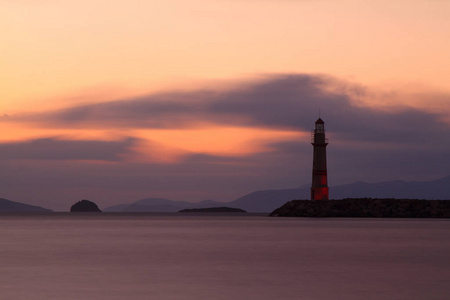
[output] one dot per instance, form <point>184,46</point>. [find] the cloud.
<point>288,102</point>
<point>56,149</point>
<point>275,101</point>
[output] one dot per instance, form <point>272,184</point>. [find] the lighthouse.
<point>319,187</point>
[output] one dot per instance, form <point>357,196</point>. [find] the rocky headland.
<point>365,208</point>
<point>214,209</point>
<point>12,206</point>
<point>84,206</point>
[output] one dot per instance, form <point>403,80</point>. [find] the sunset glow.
<point>219,140</point>
<point>52,49</point>
<point>170,82</point>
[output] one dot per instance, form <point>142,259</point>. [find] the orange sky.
<point>55,52</point>
<point>58,54</point>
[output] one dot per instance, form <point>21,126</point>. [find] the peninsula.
<point>12,206</point>
<point>214,209</point>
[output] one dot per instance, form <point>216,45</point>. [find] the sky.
<point>212,99</point>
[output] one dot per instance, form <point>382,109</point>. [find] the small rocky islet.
<point>84,206</point>
<point>365,208</point>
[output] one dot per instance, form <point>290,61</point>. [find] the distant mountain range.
<point>11,206</point>
<point>269,200</point>
<point>160,205</point>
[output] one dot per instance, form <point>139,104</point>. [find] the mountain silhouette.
<point>11,206</point>
<point>268,200</point>
<point>431,190</point>
<point>160,205</point>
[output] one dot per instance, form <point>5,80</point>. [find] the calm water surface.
<point>173,256</point>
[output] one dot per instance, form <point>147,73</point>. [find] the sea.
<point>176,256</point>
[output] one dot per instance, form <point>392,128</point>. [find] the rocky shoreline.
<point>365,208</point>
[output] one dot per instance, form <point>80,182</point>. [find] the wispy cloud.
<point>288,102</point>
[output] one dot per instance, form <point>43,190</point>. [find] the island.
<point>365,208</point>
<point>84,206</point>
<point>214,209</point>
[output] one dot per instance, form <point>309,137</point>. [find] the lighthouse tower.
<point>319,187</point>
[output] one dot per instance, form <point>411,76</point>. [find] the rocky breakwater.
<point>365,208</point>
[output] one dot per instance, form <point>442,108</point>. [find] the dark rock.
<point>85,206</point>
<point>365,208</point>
<point>214,209</point>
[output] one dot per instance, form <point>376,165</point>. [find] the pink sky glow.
<point>228,89</point>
